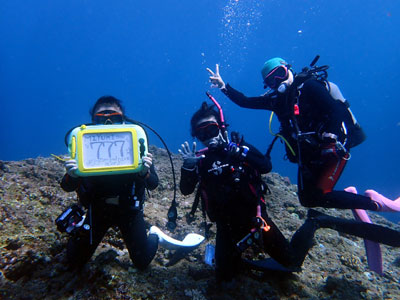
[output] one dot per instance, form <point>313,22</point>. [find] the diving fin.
<point>178,255</point>
<point>268,264</point>
<point>192,240</point>
<point>385,204</point>
<point>372,249</point>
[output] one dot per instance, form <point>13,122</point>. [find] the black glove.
<point>236,137</point>
<point>236,152</point>
<point>190,159</point>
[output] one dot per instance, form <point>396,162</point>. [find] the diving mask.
<point>276,76</point>
<point>108,117</point>
<point>207,130</point>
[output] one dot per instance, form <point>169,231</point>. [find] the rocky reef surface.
<point>32,251</point>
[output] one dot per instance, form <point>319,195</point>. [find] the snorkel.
<point>221,115</point>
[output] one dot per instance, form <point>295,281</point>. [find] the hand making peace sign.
<point>215,78</point>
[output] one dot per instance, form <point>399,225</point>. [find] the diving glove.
<point>147,162</point>
<point>189,156</point>
<point>236,152</point>
<point>71,166</point>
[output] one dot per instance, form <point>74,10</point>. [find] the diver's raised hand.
<point>215,78</point>
<point>71,166</point>
<point>225,137</point>
<point>189,156</point>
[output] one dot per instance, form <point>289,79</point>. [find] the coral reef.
<point>32,251</point>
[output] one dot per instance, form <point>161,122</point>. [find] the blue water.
<point>58,57</point>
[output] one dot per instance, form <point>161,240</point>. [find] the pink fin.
<point>373,250</point>
<point>386,205</point>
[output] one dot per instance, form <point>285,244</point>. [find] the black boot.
<point>303,240</point>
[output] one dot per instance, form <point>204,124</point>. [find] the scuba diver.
<point>110,200</point>
<point>228,176</point>
<point>317,127</point>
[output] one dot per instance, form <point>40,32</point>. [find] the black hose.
<point>172,212</point>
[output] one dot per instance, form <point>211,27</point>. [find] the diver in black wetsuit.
<point>317,128</point>
<point>229,177</point>
<point>110,200</point>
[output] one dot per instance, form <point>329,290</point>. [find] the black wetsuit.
<point>230,197</point>
<point>320,165</point>
<point>110,200</point>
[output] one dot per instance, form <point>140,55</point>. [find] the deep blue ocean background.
<point>58,57</point>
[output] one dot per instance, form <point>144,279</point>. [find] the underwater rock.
<point>4,167</point>
<point>32,251</point>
